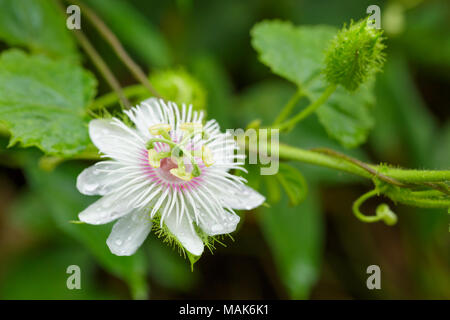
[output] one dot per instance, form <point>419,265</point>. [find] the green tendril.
<point>383,212</point>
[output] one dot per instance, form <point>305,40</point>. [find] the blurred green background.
<point>316,250</point>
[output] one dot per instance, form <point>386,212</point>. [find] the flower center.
<point>168,164</point>
<point>172,163</point>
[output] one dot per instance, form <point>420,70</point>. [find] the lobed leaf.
<point>346,116</point>
<point>295,53</point>
<point>43,102</point>
<point>293,182</point>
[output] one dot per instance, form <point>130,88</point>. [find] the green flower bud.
<point>354,55</point>
<point>180,87</point>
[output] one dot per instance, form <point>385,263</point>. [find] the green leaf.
<point>64,202</point>
<point>42,102</point>
<point>273,188</point>
<point>38,25</point>
<point>293,183</point>
<point>295,236</point>
<point>346,116</point>
<point>295,53</point>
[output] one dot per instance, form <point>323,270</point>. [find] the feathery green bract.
<point>354,55</point>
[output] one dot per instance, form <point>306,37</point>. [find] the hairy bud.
<point>354,55</point>
<point>179,86</point>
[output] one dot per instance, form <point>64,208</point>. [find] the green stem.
<point>293,153</point>
<point>288,107</point>
<point>421,202</point>
<point>101,66</point>
<point>109,99</point>
<point>287,125</point>
<point>425,199</point>
<point>195,167</point>
<point>362,165</point>
<point>412,175</point>
<point>139,288</point>
<point>405,175</point>
<point>99,63</point>
<point>169,142</point>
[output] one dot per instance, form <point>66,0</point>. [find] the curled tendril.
<point>383,212</point>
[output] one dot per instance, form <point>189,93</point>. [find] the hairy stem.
<point>111,38</point>
<point>361,165</point>
<point>287,109</point>
<point>99,63</point>
<point>404,175</point>
<point>101,66</point>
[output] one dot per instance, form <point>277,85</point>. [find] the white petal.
<point>242,198</point>
<point>184,231</point>
<point>129,233</point>
<point>114,141</point>
<point>93,180</point>
<point>147,114</point>
<point>104,210</point>
<point>225,223</point>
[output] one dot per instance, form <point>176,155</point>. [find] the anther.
<point>162,129</point>
<point>207,156</point>
<point>191,127</point>
<point>153,158</point>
